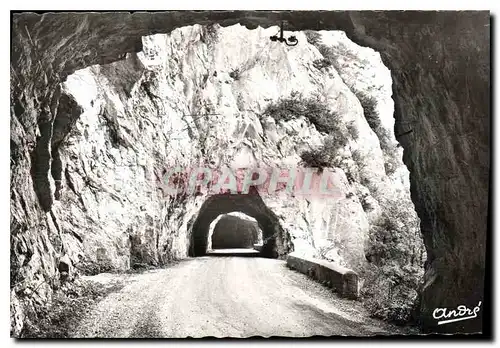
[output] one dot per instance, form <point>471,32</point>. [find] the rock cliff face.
<point>88,150</point>
<point>180,103</point>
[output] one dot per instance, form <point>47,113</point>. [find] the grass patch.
<point>69,305</point>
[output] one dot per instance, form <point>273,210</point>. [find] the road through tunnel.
<point>276,242</point>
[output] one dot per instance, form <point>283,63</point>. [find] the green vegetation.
<point>337,56</point>
<point>325,121</point>
<point>312,108</point>
<point>313,37</point>
<point>69,304</point>
<point>235,74</point>
<point>394,274</point>
<point>325,155</point>
<point>369,105</point>
<point>394,251</point>
<point>321,63</point>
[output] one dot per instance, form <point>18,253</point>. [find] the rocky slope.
<point>177,105</point>
<point>46,239</point>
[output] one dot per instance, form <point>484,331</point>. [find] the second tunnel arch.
<point>276,239</point>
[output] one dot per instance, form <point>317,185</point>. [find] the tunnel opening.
<point>234,230</point>
<point>275,240</point>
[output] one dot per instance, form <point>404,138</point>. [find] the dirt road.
<point>225,296</point>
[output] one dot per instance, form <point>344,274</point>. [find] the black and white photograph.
<point>250,174</point>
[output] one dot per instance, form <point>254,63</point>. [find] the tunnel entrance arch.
<point>276,241</point>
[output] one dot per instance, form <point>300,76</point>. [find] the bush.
<point>315,110</point>
<point>313,37</point>
<point>209,33</point>
<point>285,109</point>
<point>356,156</point>
<point>339,53</point>
<point>318,113</point>
<point>391,164</point>
<point>394,274</point>
<point>392,298</point>
<point>384,138</point>
<point>392,160</point>
<point>315,159</point>
<point>235,74</point>
<point>369,105</point>
<point>321,63</point>
<point>89,267</point>
<point>353,130</point>
<point>325,155</point>
<point>335,142</point>
<point>327,52</point>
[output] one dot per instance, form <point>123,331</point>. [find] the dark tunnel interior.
<point>231,232</point>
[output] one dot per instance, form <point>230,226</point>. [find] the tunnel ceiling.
<point>123,31</point>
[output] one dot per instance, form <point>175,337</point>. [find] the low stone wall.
<point>342,280</point>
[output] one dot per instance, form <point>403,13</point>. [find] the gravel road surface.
<point>224,296</point>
